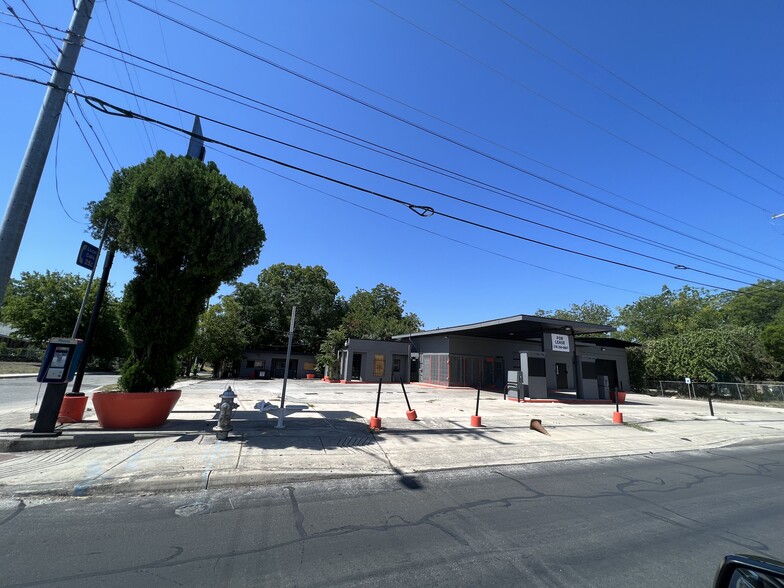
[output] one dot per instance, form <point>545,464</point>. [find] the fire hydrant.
<point>226,407</point>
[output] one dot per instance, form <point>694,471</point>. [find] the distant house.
<point>271,363</point>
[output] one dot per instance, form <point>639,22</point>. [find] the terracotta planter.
<point>310,376</point>
<point>72,409</point>
<point>621,397</point>
<point>134,410</point>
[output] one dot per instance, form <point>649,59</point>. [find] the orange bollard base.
<point>411,414</point>
<point>476,420</point>
<point>618,418</point>
<point>375,423</point>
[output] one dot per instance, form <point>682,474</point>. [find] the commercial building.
<point>561,358</point>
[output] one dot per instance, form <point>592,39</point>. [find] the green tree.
<point>587,312</point>
<point>188,229</point>
<point>669,313</point>
<point>44,305</point>
<point>755,305</point>
<point>710,355</point>
<point>378,314</point>
<point>266,306</point>
<point>221,336</point>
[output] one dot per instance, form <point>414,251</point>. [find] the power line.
<point>616,99</point>
<point>507,193</point>
<point>68,106</point>
<point>421,210</point>
<point>570,111</point>
<point>444,137</point>
<point>128,72</point>
<point>639,90</point>
<point>434,233</point>
<point>420,187</point>
<point>84,116</point>
<point>56,174</point>
<point>388,152</point>
<point>411,184</point>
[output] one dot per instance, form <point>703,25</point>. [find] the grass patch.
<point>19,367</point>
<point>639,427</point>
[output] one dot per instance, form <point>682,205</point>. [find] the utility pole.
<point>29,176</point>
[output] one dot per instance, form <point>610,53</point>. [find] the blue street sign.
<point>88,255</point>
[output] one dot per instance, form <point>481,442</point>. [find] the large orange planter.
<point>72,409</point>
<point>134,410</point>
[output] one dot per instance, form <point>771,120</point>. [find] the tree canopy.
<point>266,305</point>
<point>587,312</point>
<point>378,314</point>
<point>40,306</point>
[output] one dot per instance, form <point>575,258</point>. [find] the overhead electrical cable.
<point>547,180</point>
<point>388,152</point>
<point>411,184</point>
<point>618,100</point>
<point>440,135</point>
<point>128,72</point>
<point>78,105</point>
<point>67,105</point>
<point>572,112</point>
<point>414,185</point>
<point>640,91</point>
<point>419,209</point>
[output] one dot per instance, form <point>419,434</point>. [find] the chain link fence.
<point>756,391</point>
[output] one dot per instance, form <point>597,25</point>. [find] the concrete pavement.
<point>326,434</point>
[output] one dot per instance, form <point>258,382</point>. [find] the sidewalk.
<point>326,435</point>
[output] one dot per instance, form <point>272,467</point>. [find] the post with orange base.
<point>476,420</point>
<point>375,421</point>
<point>410,413</point>
<point>617,415</point>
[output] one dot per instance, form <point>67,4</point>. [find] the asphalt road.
<point>658,520</point>
<point>21,392</point>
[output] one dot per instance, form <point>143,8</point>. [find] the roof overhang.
<point>515,328</point>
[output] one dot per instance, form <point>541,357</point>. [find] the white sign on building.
<point>560,342</point>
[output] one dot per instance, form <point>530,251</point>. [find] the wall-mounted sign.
<point>560,342</point>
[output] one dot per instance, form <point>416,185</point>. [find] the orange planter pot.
<point>134,410</point>
<point>310,376</point>
<point>72,409</point>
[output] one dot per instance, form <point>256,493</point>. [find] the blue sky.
<point>508,91</point>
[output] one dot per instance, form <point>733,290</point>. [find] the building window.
<point>378,365</point>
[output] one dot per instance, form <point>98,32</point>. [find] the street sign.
<point>88,256</point>
<point>688,380</point>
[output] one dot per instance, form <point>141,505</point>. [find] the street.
<point>20,393</point>
<point>656,520</point>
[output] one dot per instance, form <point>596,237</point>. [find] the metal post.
<point>378,397</point>
<point>280,424</point>
<point>408,404</point>
<point>88,338</point>
<point>478,390</point>
<point>89,283</point>
<point>710,403</point>
<point>21,202</point>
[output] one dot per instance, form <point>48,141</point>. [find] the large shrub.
<point>188,229</point>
